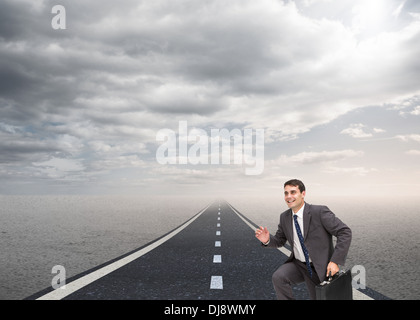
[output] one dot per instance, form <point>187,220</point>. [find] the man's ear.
<point>303,193</point>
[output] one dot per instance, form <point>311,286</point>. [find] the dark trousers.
<point>291,273</point>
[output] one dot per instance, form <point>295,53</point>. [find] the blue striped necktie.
<point>305,251</point>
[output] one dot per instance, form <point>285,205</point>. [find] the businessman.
<point>309,230</point>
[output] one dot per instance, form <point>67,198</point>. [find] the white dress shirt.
<point>297,248</point>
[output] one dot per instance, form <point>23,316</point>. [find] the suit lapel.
<point>289,221</point>
<point>306,219</point>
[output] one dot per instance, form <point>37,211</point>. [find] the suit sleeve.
<point>278,240</point>
<point>341,231</point>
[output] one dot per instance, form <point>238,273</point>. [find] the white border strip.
<point>357,295</point>
<point>75,285</point>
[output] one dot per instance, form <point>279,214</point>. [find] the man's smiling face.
<point>293,197</point>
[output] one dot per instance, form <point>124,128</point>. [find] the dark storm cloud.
<point>46,73</point>
<point>15,17</point>
<point>19,147</point>
<point>14,81</point>
<point>102,88</point>
<point>24,152</point>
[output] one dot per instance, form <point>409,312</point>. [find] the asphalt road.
<point>213,256</point>
<point>183,266</point>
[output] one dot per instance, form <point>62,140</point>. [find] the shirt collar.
<point>300,212</point>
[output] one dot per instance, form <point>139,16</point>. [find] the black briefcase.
<point>337,287</point>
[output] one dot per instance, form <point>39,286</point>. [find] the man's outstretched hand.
<point>262,234</point>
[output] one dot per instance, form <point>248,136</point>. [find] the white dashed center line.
<point>216,282</point>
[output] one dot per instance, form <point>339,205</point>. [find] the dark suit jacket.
<point>319,224</point>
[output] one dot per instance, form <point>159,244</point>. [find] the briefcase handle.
<point>331,278</point>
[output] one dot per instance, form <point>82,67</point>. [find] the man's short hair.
<point>295,183</point>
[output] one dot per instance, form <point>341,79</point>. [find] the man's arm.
<point>340,230</point>
<point>268,240</point>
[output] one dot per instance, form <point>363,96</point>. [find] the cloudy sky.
<point>334,84</point>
